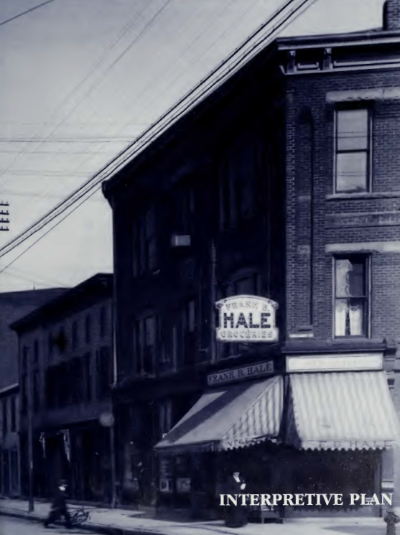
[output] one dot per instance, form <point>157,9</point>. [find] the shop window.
<point>5,417</point>
<point>351,296</point>
<point>145,343</point>
<point>189,328</point>
<point>353,148</point>
<point>145,249</point>
<point>238,182</point>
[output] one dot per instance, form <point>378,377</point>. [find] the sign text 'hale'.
<point>247,318</point>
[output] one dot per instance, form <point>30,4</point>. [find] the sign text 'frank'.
<point>246,318</point>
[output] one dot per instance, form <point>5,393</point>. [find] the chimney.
<point>391,15</point>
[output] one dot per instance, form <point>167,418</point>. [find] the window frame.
<point>88,329</point>
<point>4,422</point>
<point>354,107</point>
<point>140,344</point>
<point>368,293</point>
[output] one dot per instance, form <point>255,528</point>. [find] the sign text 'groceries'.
<point>247,318</point>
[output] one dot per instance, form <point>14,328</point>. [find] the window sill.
<point>366,195</point>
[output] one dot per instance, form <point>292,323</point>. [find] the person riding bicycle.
<point>59,507</point>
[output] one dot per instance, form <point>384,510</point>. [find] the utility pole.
<point>30,431</point>
<point>213,298</point>
<point>4,217</point>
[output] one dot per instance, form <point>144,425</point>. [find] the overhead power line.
<point>214,79</point>
<point>2,23</point>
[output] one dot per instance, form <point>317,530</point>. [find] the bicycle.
<point>79,516</point>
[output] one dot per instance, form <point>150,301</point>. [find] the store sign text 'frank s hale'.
<point>247,318</point>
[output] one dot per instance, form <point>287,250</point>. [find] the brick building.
<point>65,377</point>
<point>282,184</point>
<point>13,305</point>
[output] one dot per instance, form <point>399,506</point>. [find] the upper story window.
<point>50,344</point>
<point>352,290</point>
<point>188,209</point>
<point>24,380</point>
<point>165,417</point>
<point>353,150</point>
<point>145,344</point>
<point>189,331</point>
<point>74,335</point>
<point>36,352</point>
<point>104,372</point>
<point>238,182</point>
<point>13,414</point>
<point>145,248</point>
<point>88,329</point>
<point>5,417</point>
<point>103,321</point>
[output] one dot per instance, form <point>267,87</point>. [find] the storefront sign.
<point>227,376</point>
<point>348,444</point>
<point>247,318</point>
<point>320,363</point>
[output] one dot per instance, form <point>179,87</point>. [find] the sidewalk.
<point>122,522</point>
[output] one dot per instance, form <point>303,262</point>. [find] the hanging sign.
<point>246,318</point>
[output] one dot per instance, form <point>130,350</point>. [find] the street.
<point>17,526</point>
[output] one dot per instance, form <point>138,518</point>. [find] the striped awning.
<point>341,411</point>
<point>229,417</point>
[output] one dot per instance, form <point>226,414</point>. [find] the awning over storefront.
<point>229,417</point>
<point>341,411</point>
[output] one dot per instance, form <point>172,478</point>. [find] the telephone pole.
<point>4,216</point>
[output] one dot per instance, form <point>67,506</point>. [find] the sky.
<point>80,79</point>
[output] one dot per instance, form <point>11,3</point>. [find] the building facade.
<point>283,184</point>
<point>65,377</point>
<point>13,305</point>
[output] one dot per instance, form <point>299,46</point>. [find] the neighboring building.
<point>66,362</point>
<point>13,305</point>
<point>283,184</point>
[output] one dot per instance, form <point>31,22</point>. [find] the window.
<point>165,417</point>
<point>187,208</point>
<point>145,335</point>
<point>351,296</point>
<point>353,146</point>
<point>238,182</point>
<point>88,329</point>
<point>74,335</point>
<point>36,391</point>
<point>102,321</point>
<point>88,377</point>
<point>189,332</point>
<point>5,417</point>
<point>36,352</point>
<point>13,414</point>
<point>104,372</point>
<point>24,381</point>
<point>145,250</point>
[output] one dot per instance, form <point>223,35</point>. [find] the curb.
<point>96,528</point>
